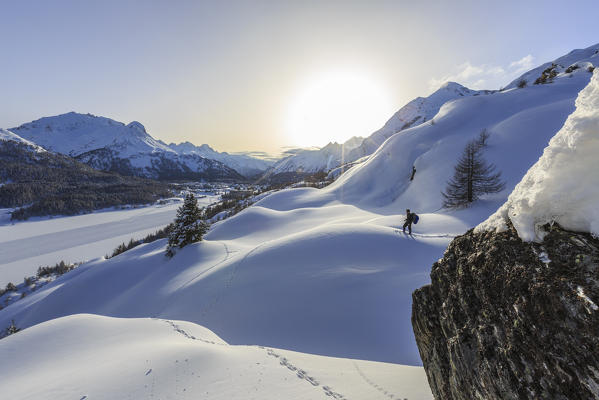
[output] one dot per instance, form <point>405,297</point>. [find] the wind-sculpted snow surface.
<point>563,186</point>
<point>333,280</point>
<point>93,357</point>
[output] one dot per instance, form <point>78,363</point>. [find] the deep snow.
<point>93,357</point>
<point>333,280</point>
<point>563,185</point>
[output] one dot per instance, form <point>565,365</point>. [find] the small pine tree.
<point>189,226</point>
<point>472,176</point>
<point>12,328</point>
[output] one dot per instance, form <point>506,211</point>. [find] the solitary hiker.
<point>413,173</point>
<point>408,222</point>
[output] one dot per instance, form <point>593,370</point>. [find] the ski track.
<point>228,282</point>
<point>440,235</point>
<point>383,391</point>
<point>227,256</point>
<point>300,373</point>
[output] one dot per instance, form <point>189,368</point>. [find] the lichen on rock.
<point>509,319</point>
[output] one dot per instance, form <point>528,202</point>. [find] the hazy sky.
<point>242,75</point>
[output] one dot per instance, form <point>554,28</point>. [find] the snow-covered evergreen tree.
<point>12,328</point>
<point>189,226</point>
<point>472,177</point>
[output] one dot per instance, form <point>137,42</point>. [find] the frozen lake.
<point>41,241</point>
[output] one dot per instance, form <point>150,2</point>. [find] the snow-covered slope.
<point>412,114</point>
<point>416,112</point>
<point>10,136</point>
<point>111,145</point>
<point>92,357</point>
<point>244,164</point>
<point>563,185</point>
<point>333,280</point>
<point>520,123</point>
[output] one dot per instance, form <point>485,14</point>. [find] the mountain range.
<point>110,145</point>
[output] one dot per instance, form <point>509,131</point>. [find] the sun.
<point>335,106</point>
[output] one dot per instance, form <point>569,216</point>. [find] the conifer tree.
<point>472,177</point>
<point>12,328</point>
<point>189,226</point>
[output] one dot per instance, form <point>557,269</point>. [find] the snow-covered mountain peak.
<point>137,126</point>
<point>452,87</point>
<point>73,134</point>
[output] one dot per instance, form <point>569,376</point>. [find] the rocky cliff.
<point>507,319</point>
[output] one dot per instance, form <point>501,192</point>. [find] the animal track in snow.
<point>374,385</point>
<point>302,374</point>
<point>187,335</point>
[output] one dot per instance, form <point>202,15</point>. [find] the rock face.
<point>507,319</point>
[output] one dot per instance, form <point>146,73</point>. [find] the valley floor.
<point>42,241</point>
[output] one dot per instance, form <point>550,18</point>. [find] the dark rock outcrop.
<point>507,319</point>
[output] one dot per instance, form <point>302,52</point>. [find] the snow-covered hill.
<point>520,121</point>
<point>246,165</point>
<point>333,280</point>
<point>416,112</point>
<point>333,155</point>
<point>111,145</point>
<point>93,357</point>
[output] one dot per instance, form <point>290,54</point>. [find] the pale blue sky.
<point>226,72</point>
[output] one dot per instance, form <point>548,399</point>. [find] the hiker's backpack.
<point>415,219</point>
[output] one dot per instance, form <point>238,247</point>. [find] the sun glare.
<point>336,106</point>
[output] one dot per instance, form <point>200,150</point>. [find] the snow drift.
<point>563,186</point>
